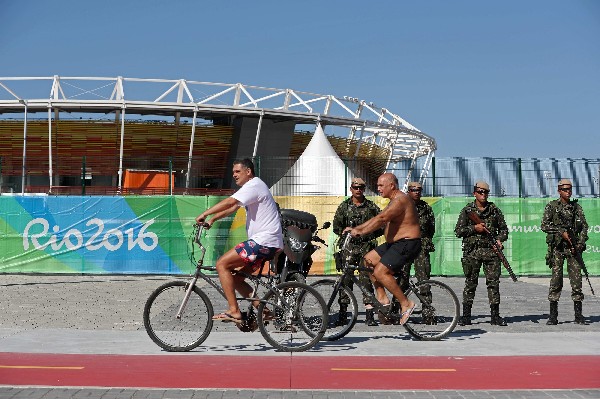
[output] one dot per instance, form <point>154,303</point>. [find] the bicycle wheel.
<point>337,327</point>
<point>436,312</point>
<point>299,317</point>
<point>178,334</point>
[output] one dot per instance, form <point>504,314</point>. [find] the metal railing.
<point>449,177</point>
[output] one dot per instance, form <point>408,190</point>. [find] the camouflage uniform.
<point>427,222</point>
<point>477,250</point>
<point>347,215</point>
<point>558,218</point>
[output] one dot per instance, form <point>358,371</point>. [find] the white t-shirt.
<point>263,223</point>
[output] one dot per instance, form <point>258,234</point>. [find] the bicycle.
<point>435,316</point>
<point>291,316</point>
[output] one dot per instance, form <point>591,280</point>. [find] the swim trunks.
<point>397,254</point>
<point>253,254</point>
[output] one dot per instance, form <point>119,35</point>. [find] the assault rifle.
<point>494,242</point>
<point>568,236</point>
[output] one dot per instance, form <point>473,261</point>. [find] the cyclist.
<point>403,242</point>
<point>263,225</point>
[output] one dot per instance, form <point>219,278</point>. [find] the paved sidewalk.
<point>99,314</point>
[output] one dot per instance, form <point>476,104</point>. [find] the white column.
<point>24,102</point>
<point>120,172</point>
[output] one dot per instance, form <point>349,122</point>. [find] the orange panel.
<point>144,179</point>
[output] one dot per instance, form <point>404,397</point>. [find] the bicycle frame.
<point>257,280</point>
<point>348,271</point>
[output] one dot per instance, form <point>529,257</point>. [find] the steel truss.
<point>365,121</point>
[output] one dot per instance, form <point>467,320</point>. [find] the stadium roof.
<point>364,120</point>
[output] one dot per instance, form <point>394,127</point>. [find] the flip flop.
<point>406,315</point>
<point>227,318</point>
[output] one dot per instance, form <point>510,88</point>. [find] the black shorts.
<point>397,254</point>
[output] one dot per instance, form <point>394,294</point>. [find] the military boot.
<point>342,315</point>
<point>465,320</point>
<point>496,319</point>
<point>579,318</point>
<point>553,320</point>
<point>429,316</point>
<point>370,319</point>
<point>394,311</point>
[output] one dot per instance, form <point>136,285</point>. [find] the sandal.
<point>406,314</point>
<point>227,318</point>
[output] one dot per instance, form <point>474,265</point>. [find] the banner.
<point>151,235</point>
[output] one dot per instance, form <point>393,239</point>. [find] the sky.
<point>507,78</point>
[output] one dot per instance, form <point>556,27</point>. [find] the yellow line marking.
<point>43,367</point>
<point>418,370</point>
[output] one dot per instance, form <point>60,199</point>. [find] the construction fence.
<point>151,234</point>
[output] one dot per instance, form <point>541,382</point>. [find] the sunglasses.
<point>565,189</point>
<point>482,192</point>
<point>415,190</point>
<point>357,187</point>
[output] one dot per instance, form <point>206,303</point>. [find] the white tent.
<point>318,171</point>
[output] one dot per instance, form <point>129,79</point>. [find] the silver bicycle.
<point>291,316</point>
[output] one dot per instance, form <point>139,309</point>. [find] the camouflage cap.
<point>415,184</point>
<point>481,184</point>
<point>359,181</point>
<point>565,182</point>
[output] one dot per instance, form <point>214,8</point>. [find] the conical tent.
<point>318,171</point>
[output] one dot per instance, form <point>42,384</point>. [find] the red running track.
<point>301,372</point>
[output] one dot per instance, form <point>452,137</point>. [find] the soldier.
<point>352,212</point>
<point>477,250</point>
<point>564,220</point>
<point>422,262</point>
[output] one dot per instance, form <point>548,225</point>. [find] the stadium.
<point>105,175</point>
<point>124,135</point>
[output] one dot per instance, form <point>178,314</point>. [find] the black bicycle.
<point>291,316</point>
<point>435,316</point>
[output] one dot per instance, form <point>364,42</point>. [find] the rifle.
<point>494,242</point>
<point>568,236</point>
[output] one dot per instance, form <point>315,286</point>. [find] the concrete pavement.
<point>99,314</point>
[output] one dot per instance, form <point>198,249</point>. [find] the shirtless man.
<point>402,242</point>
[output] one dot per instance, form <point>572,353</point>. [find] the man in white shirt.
<point>263,225</point>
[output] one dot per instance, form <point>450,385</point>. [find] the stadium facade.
<point>112,134</point>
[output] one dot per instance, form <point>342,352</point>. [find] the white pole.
<point>50,146</point>
<point>189,165</point>
<point>24,102</point>
<point>120,173</point>
<point>258,133</point>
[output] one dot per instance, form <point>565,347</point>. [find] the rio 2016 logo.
<point>112,239</point>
